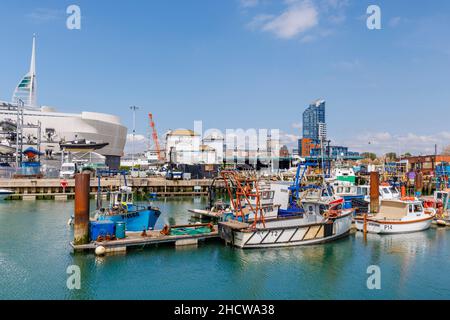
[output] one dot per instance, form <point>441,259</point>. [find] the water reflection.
<point>33,264</point>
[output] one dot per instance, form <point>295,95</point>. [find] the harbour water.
<point>35,254</point>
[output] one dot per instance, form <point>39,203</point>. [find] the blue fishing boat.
<point>122,208</point>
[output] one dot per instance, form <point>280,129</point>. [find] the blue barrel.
<point>348,204</point>
<point>101,229</point>
<point>120,230</point>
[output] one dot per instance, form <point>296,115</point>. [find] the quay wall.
<point>51,188</point>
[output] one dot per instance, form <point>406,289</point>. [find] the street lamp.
<point>134,109</point>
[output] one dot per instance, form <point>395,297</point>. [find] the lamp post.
<point>134,109</point>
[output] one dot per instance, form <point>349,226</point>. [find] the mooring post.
<point>374,192</point>
<point>419,184</point>
<point>365,226</point>
<point>81,223</point>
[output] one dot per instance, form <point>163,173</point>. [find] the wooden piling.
<point>81,223</point>
<point>374,192</point>
<point>365,226</point>
<point>419,183</point>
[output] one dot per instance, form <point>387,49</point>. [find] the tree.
<point>406,155</point>
<point>391,156</point>
<point>369,155</point>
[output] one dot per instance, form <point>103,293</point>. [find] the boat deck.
<point>135,239</point>
<point>235,225</point>
<point>205,214</point>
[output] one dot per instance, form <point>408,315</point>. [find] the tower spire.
<point>26,89</point>
<point>33,101</point>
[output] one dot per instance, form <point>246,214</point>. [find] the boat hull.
<point>136,221</point>
<point>4,194</point>
<point>393,227</point>
<point>288,232</point>
<point>4,149</point>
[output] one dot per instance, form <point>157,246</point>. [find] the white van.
<point>68,170</point>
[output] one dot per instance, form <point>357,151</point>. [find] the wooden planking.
<point>235,225</point>
<point>135,239</point>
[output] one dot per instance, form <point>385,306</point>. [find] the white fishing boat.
<point>342,173</point>
<point>323,220</point>
<point>5,194</point>
<point>397,216</point>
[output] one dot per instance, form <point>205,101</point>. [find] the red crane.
<point>155,137</point>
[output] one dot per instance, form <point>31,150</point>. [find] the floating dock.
<point>135,239</point>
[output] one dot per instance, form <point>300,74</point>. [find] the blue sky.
<point>243,64</point>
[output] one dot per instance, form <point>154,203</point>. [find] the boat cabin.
<point>443,197</point>
<point>122,198</point>
<point>399,209</point>
<point>388,192</point>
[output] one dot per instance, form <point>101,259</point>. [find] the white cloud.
<point>288,139</point>
<point>384,142</point>
<point>349,65</point>
<point>298,18</point>
<point>259,21</point>
<point>140,143</point>
<point>301,18</point>
<point>249,3</point>
<point>41,15</point>
<point>395,21</point>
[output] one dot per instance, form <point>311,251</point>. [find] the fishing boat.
<point>323,221</point>
<point>342,173</point>
<point>5,194</point>
<point>397,216</point>
<point>122,208</point>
